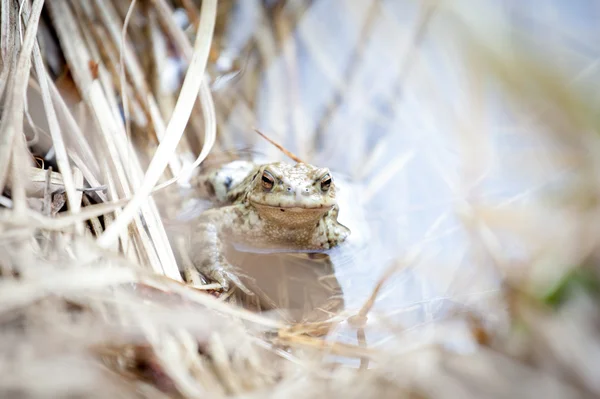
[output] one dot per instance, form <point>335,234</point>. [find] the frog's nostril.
<point>289,189</point>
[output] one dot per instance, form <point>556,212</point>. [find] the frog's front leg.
<point>209,250</point>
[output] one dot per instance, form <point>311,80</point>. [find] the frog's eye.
<point>267,180</point>
<point>326,182</point>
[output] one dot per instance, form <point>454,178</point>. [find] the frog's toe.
<point>236,280</point>
<point>226,277</point>
<point>219,277</point>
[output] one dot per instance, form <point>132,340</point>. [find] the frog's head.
<point>292,194</point>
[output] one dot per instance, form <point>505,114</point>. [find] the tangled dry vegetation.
<point>92,301</point>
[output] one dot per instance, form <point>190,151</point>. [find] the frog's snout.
<point>299,192</point>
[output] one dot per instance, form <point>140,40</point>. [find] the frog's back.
<point>228,183</point>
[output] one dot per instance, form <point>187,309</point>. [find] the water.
<point>416,136</point>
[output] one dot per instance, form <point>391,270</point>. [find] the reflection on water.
<point>300,287</point>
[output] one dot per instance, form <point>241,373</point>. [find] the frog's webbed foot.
<point>209,259</point>
<point>223,273</point>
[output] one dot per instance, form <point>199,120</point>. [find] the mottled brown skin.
<point>275,207</point>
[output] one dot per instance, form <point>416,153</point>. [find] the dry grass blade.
<point>130,66</point>
<point>63,221</point>
<point>107,120</point>
<point>77,56</point>
<point>176,126</point>
<point>12,120</point>
<point>279,146</point>
<point>199,297</point>
<point>14,295</point>
<point>62,158</point>
<point>73,132</point>
<point>329,347</point>
<point>206,101</point>
<point>122,78</point>
<point>5,32</point>
<point>9,52</point>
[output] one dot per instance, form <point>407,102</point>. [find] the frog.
<point>272,207</point>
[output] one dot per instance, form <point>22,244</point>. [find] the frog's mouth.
<point>294,208</point>
<point>292,215</point>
